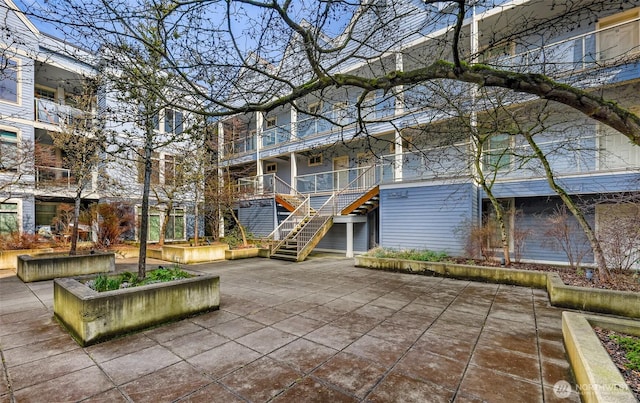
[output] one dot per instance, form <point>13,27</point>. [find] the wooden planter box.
<point>92,316</point>
<point>49,266</point>
<point>9,258</point>
<point>234,254</point>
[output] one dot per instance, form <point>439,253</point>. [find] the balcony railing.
<point>592,49</point>
<point>261,185</point>
<point>48,177</point>
<point>332,181</point>
<point>276,135</point>
<point>47,111</point>
<point>54,178</point>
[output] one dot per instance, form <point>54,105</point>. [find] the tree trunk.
<point>144,218</point>
<point>165,222</point>
<point>74,230</point>
<point>497,207</point>
<point>598,254</point>
<point>196,226</point>
<point>243,234</point>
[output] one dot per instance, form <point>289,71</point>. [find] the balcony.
<point>50,112</point>
<point>276,135</point>
<point>54,178</point>
<point>604,47</point>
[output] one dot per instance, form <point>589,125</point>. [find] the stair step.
<point>290,258</point>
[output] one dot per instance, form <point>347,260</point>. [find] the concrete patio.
<point>317,331</point>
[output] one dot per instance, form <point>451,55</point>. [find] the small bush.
<point>19,241</point>
<point>423,255</point>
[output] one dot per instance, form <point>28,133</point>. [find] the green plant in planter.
<point>127,279</point>
<point>632,347</point>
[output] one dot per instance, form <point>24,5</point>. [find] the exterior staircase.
<point>305,227</point>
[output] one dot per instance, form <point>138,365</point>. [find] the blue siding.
<point>426,217</point>
<point>258,216</point>
<point>576,185</point>
<point>336,238</point>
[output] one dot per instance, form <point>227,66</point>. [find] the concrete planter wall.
<point>91,316</point>
<point>194,254</point>
<point>9,258</point>
<point>622,303</point>
<point>597,377</point>
<point>50,266</point>
<point>234,254</point>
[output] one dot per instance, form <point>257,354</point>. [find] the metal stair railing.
<point>308,232</point>
<point>282,187</point>
<point>367,179</point>
<point>289,224</point>
<point>333,206</point>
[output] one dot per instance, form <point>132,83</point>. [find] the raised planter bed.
<point>193,254</point>
<point>234,254</point>
<point>91,316</point>
<point>623,303</point>
<point>51,265</point>
<point>597,378</point>
<point>9,258</point>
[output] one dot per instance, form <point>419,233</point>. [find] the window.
<point>173,121</point>
<point>155,167</point>
<point>340,113</point>
<point>271,122</point>
<point>619,35</point>
<point>8,150</point>
<point>169,169</point>
<point>175,225</point>
<point>498,52</point>
<point>8,80</point>
<point>315,160</point>
<point>8,218</point>
<point>45,93</point>
<point>498,154</point>
<point>271,167</point>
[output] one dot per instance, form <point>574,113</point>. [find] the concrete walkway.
<point>317,331</point>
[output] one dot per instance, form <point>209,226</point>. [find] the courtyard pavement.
<point>317,331</point>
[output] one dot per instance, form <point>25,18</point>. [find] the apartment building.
<point>41,81</point>
<point>398,171</point>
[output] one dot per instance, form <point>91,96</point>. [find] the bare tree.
<point>81,138</point>
<point>285,52</point>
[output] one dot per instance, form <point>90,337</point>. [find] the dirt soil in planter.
<point>618,355</point>
<point>620,280</point>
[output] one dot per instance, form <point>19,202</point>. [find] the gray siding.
<point>28,214</point>
<point>258,216</point>
<point>533,215</point>
<point>336,238</point>
<point>426,217</point>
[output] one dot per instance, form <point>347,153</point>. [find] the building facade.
<point>397,169</point>
<point>42,83</point>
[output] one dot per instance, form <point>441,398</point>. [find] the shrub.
<point>18,240</point>
<point>423,255</point>
<point>114,220</point>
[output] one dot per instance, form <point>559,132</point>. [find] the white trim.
<point>13,7</point>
